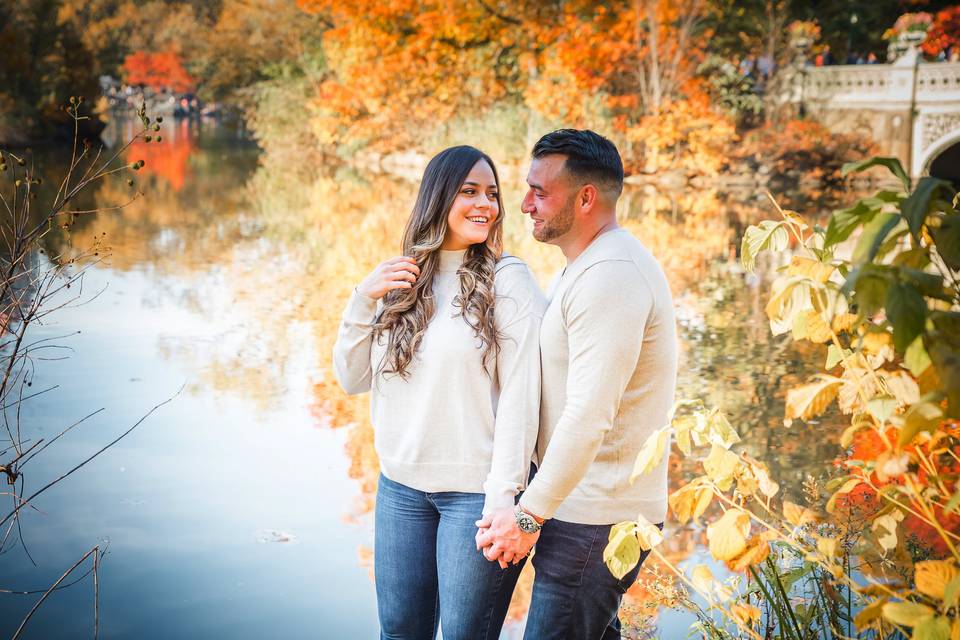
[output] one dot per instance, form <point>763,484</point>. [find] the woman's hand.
<point>396,273</point>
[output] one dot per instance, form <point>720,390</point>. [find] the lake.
<point>242,508</point>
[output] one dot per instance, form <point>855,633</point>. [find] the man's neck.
<point>578,244</point>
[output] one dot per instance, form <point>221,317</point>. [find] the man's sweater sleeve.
<point>518,312</point>
<point>351,352</point>
<point>605,311</point>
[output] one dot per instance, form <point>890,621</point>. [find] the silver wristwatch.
<point>526,522</point>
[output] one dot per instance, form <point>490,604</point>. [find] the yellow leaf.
<point>828,546</point>
<point>651,455</point>
<point>682,428</point>
<point>933,576</point>
<point>811,325</point>
<point>745,614</point>
<point>766,484</point>
<point>808,268</point>
<point>955,629</point>
<point>648,534</point>
<point>869,614</point>
<point>847,487</point>
<point>728,535</point>
<point>756,552</point>
<point>702,578</point>
<point>844,322</point>
<point>885,527</point>
<point>797,515</point>
<point>813,399</point>
<point>878,343</point>
<point>721,466</point>
<point>906,614</point>
<point>721,430</point>
<point>690,501</point>
<point>789,297</point>
<point>622,552</point>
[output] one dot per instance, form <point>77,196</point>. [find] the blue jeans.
<point>427,568</point>
<point>575,597</point>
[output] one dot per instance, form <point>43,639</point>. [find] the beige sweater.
<point>609,363</point>
<point>453,425</point>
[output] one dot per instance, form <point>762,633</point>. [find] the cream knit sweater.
<point>609,353</point>
<point>453,425</point>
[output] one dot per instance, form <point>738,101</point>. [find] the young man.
<point>609,358</point>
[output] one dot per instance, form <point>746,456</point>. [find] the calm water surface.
<point>242,508</point>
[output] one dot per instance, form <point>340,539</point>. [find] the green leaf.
<point>952,590</point>
<point>916,358</point>
<point>953,503</point>
<point>906,614</point>
<point>844,221</point>
<point>928,284</point>
<point>947,361</point>
<point>873,235</point>
<point>917,258</point>
<point>932,629</point>
<point>769,234</point>
<point>947,239</point>
<point>869,286</point>
<point>907,312</point>
<point>835,356</point>
<point>916,206</point>
<point>890,163</point>
<point>622,552</point>
<point>922,416</point>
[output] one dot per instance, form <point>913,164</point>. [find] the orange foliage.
<point>399,69</point>
<point>944,32</point>
<point>161,70</point>
<point>168,159</point>
<point>868,446</point>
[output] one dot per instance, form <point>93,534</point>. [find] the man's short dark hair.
<point>590,157</point>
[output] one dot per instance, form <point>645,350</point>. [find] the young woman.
<point>446,339</point>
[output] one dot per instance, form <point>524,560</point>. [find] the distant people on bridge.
<point>824,58</point>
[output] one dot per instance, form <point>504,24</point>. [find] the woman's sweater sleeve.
<point>518,313</point>
<point>351,352</point>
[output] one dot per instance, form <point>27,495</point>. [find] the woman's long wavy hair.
<point>406,312</point>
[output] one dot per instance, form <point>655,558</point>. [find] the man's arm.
<point>605,311</point>
<point>518,313</point>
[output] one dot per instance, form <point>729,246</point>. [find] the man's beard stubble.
<point>557,226</point>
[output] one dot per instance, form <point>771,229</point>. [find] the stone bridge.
<point>911,108</point>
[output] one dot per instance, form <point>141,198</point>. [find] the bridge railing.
<point>890,85</point>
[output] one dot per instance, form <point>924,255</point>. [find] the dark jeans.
<point>575,597</point>
<point>428,571</point>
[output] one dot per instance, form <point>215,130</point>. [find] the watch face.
<point>526,523</point>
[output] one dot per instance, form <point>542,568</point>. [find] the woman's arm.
<point>518,312</point>
<point>351,353</point>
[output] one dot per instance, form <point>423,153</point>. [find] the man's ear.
<point>588,197</point>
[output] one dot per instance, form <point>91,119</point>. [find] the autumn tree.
<point>43,62</point>
<point>163,70</point>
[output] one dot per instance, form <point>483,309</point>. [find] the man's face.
<point>550,198</point>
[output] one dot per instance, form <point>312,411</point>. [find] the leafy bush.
<point>879,288</point>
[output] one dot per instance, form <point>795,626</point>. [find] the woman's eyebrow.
<point>477,184</point>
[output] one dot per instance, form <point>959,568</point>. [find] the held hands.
<point>502,540</point>
<point>396,273</point>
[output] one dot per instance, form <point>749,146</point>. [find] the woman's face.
<point>474,211</point>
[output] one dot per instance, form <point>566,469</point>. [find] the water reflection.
<point>260,259</point>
